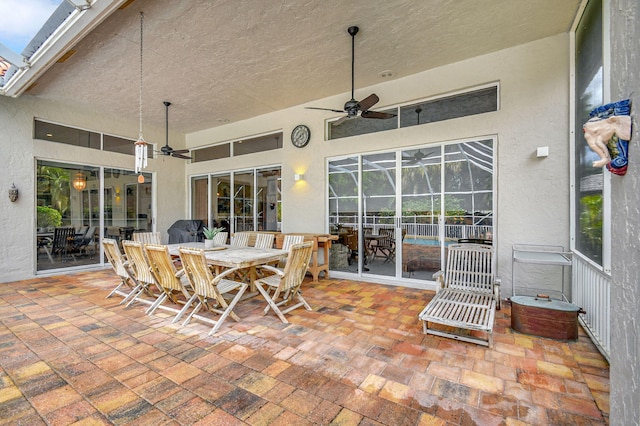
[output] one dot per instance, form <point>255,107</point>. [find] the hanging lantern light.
<point>141,144</point>
<point>79,181</point>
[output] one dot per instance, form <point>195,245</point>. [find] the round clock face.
<point>300,136</point>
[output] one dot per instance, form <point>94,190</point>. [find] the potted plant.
<point>209,234</point>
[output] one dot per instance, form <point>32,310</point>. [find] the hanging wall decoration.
<point>607,133</point>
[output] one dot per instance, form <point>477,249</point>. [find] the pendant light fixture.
<point>141,144</point>
<point>79,181</point>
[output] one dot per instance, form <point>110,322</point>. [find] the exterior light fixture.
<point>298,176</point>
<point>141,144</point>
<point>79,181</point>
<point>13,193</point>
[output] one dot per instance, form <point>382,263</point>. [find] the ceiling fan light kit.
<point>353,107</point>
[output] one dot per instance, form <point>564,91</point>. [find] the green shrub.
<point>48,216</point>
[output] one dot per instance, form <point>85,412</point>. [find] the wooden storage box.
<point>545,317</point>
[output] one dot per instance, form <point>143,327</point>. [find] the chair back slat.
<point>290,240</point>
<point>198,273</point>
<point>264,241</point>
<point>296,266</point>
<point>162,267</point>
<point>240,239</point>
<point>114,257</point>
<point>138,261</point>
<point>62,237</point>
<point>470,268</point>
<point>220,238</point>
<point>147,237</point>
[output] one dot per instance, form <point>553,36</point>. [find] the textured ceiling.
<point>230,60</point>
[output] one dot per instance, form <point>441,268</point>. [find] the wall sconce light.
<point>79,181</point>
<point>13,193</point>
<point>298,176</point>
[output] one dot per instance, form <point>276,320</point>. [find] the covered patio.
<point>70,356</point>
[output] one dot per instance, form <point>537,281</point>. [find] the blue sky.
<point>20,20</point>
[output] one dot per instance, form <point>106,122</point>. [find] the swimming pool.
<point>424,241</point>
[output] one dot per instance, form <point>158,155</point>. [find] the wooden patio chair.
<point>467,295</point>
<point>288,241</point>
<point>120,267</point>
<point>291,239</point>
<point>240,239</point>
<point>209,289</point>
<point>147,237</point>
<point>63,243</point>
<point>285,284</point>
<point>385,247</point>
<point>141,271</point>
<point>220,238</point>
<point>167,278</point>
<point>264,240</point>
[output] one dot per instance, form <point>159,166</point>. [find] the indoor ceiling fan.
<point>353,107</point>
<point>166,149</point>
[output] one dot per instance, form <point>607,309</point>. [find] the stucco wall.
<point>532,194</point>
<point>625,252</point>
<point>17,220</point>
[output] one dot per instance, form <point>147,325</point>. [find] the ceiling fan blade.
<point>184,157</point>
<point>325,109</point>
<point>377,114</point>
<point>340,121</point>
<point>180,151</point>
<point>368,102</point>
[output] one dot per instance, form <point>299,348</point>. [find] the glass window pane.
<point>461,105</point>
<point>589,94</point>
<point>67,135</point>
<point>123,145</point>
<point>243,201</point>
<point>360,126</point>
<point>63,215</point>
<point>211,153</point>
<point>343,192</point>
<point>258,144</point>
<point>268,199</point>
<point>199,200</point>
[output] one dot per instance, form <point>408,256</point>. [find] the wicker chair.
<point>286,284</point>
<point>209,289</point>
<point>167,278</point>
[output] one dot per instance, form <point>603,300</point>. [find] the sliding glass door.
<point>396,212</point>
<point>77,205</point>
<point>248,200</point>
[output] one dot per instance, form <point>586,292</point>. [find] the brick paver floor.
<point>68,355</point>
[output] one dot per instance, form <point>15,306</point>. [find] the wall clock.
<point>300,136</point>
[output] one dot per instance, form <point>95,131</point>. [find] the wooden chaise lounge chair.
<point>467,295</point>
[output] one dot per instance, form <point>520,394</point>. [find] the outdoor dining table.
<point>234,257</point>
